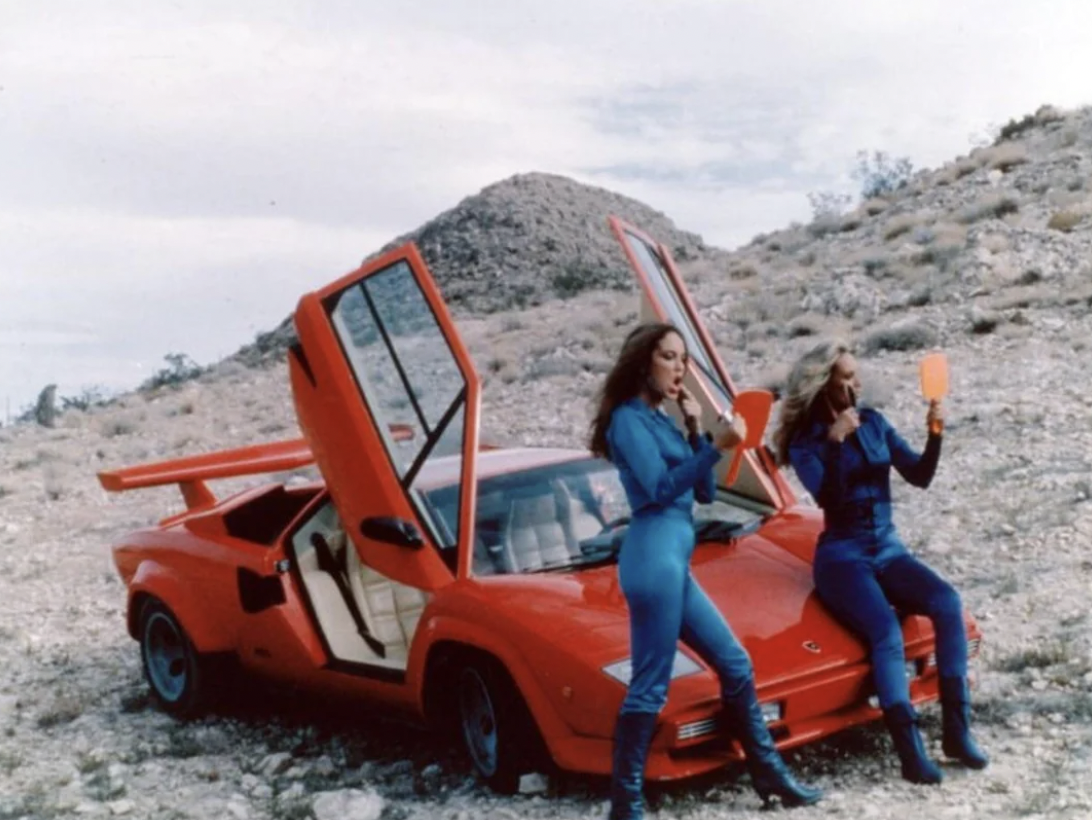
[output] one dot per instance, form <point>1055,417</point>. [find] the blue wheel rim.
<point>479,721</point>
<point>166,657</point>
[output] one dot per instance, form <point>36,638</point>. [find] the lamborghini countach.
<point>471,588</point>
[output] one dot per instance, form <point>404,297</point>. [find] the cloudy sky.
<point>174,173</point>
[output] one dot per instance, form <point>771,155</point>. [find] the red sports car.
<point>471,587</point>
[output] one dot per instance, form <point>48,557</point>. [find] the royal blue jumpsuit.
<point>862,568</point>
<point>662,473</point>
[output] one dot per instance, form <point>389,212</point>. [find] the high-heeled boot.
<point>955,703</point>
<point>632,737</point>
<point>769,775</point>
<point>902,723</point>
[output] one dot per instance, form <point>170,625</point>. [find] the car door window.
<point>406,373</point>
<point>660,282</point>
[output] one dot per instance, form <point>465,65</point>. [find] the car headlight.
<point>622,670</point>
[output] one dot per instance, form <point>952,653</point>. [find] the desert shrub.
<point>874,265</point>
<point>964,167</point>
<point>851,222</point>
<point>909,335</point>
<point>982,321</point>
<point>992,207</point>
<point>180,369</point>
<point>1036,657</point>
<point>1006,157</point>
<point>828,204</point>
<point>86,399</point>
<point>742,271</point>
<point>897,226</point>
<point>1064,221</point>
<point>876,205</point>
<point>879,174</point>
<point>1014,128</point>
<point>806,324</point>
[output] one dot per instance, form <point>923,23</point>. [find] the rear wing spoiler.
<point>191,473</point>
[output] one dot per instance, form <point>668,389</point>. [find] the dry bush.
<point>742,270</point>
<point>995,206</point>
<point>825,224</point>
<point>1024,297</point>
<point>983,321</point>
<point>851,222</point>
<point>876,205</point>
<point>897,226</point>
<point>905,335</point>
<point>1064,221</point>
<point>1006,156</point>
<point>808,324</point>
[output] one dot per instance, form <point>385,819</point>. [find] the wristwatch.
<point>727,417</point>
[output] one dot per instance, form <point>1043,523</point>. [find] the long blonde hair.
<point>808,377</point>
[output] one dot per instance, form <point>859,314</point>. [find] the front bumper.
<point>817,705</point>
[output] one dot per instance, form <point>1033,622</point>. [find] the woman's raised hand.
<point>730,435</point>
<point>690,409</point>
<point>845,423</point>
<point>934,419</point>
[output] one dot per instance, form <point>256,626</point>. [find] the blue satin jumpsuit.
<point>862,568</point>
<point>662,472</point>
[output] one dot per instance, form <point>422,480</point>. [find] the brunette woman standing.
<point>663,472</point>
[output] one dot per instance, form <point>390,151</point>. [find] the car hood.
<point>764,591</point>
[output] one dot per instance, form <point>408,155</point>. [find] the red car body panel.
<point>552,631</point>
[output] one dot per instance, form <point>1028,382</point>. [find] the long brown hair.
<point>626,378</point>
<point>807,379</point>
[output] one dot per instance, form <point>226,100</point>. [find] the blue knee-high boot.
<point>902,723</point>
<point>769,774</point>
<point>955,703</point>
<point>632,736</point>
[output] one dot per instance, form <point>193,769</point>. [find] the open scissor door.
<point>386,395</point>
<point>665,299</point>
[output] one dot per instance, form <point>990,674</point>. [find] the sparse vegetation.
<point>990,207</point>
<point>1064,221</point>
<point>880,174</point>
<point>179,370</point>
<point>899,225</point>
<point>908,335</point>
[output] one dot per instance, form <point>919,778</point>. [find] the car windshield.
<point>563,516</point>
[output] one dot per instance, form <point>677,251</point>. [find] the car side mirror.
<point>391,530</point>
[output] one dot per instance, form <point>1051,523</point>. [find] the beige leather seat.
<point>534,533</point>
<point>391,610</point>
<point>577,520</point>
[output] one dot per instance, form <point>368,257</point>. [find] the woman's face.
<point>668,366</point>
<point>844,384</point>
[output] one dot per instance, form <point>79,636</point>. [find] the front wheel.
<point>172,666</point>
<point>497,728</point>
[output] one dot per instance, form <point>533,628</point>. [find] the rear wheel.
<point>497,729</point>
<point>172,666</point>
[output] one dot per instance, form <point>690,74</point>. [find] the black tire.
<point>173,668</point>
<point>497,730</point>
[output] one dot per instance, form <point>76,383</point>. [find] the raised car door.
<point>665,299</point>
<point>388,400</point>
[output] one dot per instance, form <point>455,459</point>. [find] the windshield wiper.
<point>715,530</point>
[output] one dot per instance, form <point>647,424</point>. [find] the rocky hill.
<point>520,242</point>
<point>987,256</point>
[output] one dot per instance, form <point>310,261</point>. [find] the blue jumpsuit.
<point>862,568</point>
<point>661,472</point>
